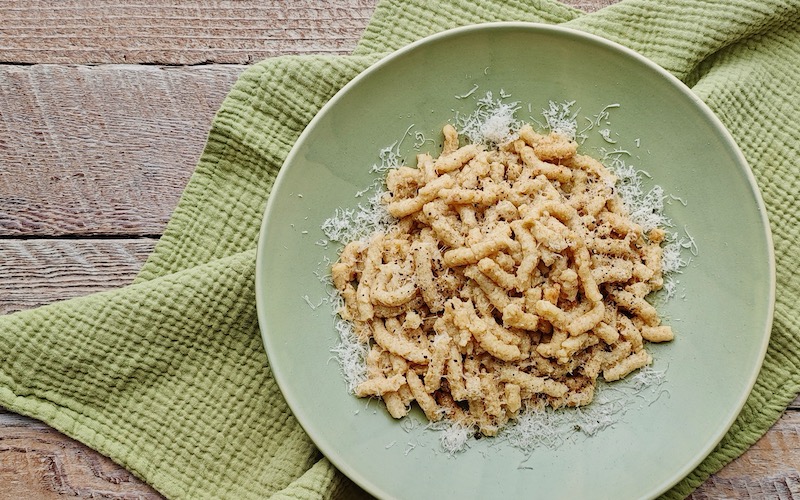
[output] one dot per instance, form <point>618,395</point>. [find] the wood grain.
<point>37,272</point>
<point>170,32</point>
<point>769,469</point>
<point>190,32</point>
<point>39,462</point>
<point>88,150</point>
<point>99,150</point>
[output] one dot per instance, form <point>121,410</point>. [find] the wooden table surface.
<point>104,109</point>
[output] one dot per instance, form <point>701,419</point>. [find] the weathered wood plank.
<point>90,150</point>
<point>37,461</point>
<point>769,469</point>
<point>192,32</point>
<point>169,32</point>
<point>101,150</point>
<point>37,272</point>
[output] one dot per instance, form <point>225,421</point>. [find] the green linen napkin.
<point>168,376</point>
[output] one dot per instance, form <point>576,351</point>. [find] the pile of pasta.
<point>513,278</point>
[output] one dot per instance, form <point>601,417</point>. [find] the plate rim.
<point>340,463</point>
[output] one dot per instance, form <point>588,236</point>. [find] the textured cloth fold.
<point>168,376</point>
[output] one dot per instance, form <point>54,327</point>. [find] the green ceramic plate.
<point>722,312</point>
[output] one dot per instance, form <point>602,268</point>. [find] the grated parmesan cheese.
<point>492,122</point>
<point>646,208</point>
<point>606,135</point>
<point>560,118</point>
<point>351,354</point>
<point>347,224</point>
<point>454,437</point>
<point>471,91</point>
<point>552,428</point>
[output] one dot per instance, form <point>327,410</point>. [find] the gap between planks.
<point>190,32</point>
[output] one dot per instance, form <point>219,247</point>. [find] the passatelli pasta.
<point>512,278</point>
